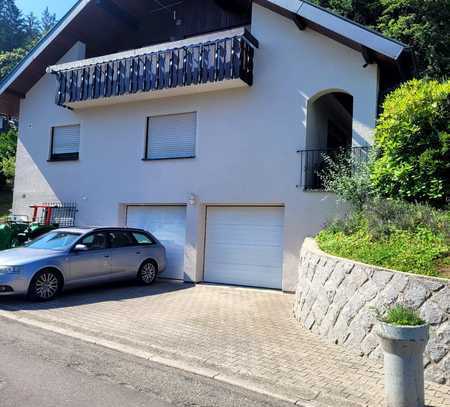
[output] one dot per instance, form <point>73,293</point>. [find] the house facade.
<point>207,131</point>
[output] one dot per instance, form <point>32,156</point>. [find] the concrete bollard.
<point>403,348</point>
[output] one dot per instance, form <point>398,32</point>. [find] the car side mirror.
<point>80,248</point>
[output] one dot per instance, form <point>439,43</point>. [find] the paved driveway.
<point>242,336</point>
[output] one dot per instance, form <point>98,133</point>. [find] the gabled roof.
<point>373,46</point>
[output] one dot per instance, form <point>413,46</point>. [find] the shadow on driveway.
<point>107,292</point>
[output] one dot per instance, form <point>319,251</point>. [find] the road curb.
<point>200,371</point>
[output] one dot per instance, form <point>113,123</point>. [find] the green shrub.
<point>392,220</point>
<point>8,168</point>
<point>402,316</point>
<point>412,141</point>
<point>8,146</point>
<point>348,177</point>
<point>385,216</point>
<point>413,247</point>
<point>8,143</point>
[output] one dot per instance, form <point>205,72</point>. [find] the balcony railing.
<point>210,62</point>
<point>313,162</point>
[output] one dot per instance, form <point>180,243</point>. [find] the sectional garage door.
<point>244,246</point>
<point>168,224</point>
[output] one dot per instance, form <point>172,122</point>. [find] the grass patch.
<point>402,316</point>
<point>420,249</point>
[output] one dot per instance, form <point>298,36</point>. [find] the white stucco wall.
<point>246,143</point>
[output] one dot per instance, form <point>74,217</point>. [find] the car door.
<point>125,253</point>
<point>95,262</point>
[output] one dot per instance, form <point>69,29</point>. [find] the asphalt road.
<point>39,368</point>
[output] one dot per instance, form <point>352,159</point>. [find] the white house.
<point>203,121</point>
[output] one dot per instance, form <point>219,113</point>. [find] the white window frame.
<point>147,155</point>
<point>74,156</point>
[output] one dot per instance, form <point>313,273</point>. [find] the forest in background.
<point>422,24</point>
<point>19,33</point>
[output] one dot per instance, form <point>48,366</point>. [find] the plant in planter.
<point>404,336</point>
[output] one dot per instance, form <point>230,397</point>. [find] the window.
<point>65,143</point>
<point>171,136</point>
<point>58,241</point>
<point>142,240</point>
<point>121,239</point>
<point>96,241</point>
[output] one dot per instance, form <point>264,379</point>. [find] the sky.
<point>59,7</point>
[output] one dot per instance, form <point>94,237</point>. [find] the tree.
<point>418,23</point>
<point>362,11</point>
<point>8,146</point>
<point>9,59</point>
<point>19,34</point>
<point>11,26</point>
<point>48,21</point>
<point>413,142</point>
<point>8,168</point>
<point>424,26</point>
<point>31,28</point>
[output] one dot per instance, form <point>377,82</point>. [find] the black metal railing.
<point>214,61</point>
<point>314,162</point>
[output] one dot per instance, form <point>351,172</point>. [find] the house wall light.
<point>192,199</point>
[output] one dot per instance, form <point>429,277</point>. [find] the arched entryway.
<point>329,129</point>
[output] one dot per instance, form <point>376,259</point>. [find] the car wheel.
<point>44,286</point>
<point>147,273</point>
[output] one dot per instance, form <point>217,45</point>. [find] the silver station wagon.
<point>78,256</point>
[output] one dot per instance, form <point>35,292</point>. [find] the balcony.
<point>313,162</point>
<point>216,61</point>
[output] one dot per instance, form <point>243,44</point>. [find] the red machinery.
<point>54,213</point>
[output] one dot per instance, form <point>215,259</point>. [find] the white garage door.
<point>168,225</point>
<point>244,246</point>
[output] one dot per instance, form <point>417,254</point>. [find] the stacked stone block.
<point>336,299</point>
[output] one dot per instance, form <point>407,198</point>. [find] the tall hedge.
<point>413,142</point>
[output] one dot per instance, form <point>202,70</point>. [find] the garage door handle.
<point>138,252</point>
<point>107,257</point>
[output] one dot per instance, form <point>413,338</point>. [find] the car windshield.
<point>58,241</point>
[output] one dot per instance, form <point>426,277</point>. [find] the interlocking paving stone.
<point>247,334</point>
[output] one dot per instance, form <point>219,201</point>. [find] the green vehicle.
<point>15,233</point>
<point>9,232</point>
<point>19,230</point>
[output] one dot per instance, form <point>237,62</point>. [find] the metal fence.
<point>61,213</point>
<point>212,61</point>
<point>314,162</point>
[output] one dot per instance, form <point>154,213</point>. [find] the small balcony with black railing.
<point>330,138</point>
<point>221,60</point>
<point>314,163</point>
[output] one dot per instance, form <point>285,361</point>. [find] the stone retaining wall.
<point>335,298</point>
